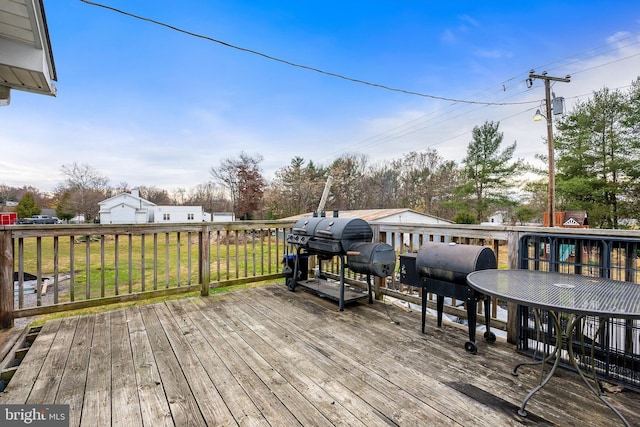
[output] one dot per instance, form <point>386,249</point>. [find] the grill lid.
<point>330,235</point>
<point>450,262</point>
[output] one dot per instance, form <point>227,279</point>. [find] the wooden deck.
<point>267,356</point>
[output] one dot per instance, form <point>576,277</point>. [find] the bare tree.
<point>155,195</point>
<point>244,180</point>
<point>382,184</point>
<point>210,196</point>
<point>348,172</point>
<point>87,187</point>
<point>426,181</point>
<point>122,187</point>
<point>7,194</point>
<point>179,196</point>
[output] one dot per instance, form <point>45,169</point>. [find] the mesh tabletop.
<point>569,293</point>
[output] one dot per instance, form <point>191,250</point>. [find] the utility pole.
<point>547,96</point>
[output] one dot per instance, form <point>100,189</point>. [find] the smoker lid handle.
<point>325,232</point>
<point>300,230</point>
<point>353,253</point>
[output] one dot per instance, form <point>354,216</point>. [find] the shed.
<point>388,216</point>
<point>568,219</point>
<point>381,216</point>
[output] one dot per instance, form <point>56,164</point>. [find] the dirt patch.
<point>30,295</point>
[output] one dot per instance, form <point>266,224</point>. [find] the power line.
<point>305,67</point>
<point>401,130</point>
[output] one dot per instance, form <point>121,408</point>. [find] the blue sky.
<point>148,105</point>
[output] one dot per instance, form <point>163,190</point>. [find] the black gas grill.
<point>336,237</point>
<point>442,269</point>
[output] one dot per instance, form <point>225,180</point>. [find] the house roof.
<point>371,215</point>
<point>575,218</point>
<point>26,58</point>
<point>126,198</point>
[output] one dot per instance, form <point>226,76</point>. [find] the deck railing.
<point>79,266</point>
<point>611,346</point>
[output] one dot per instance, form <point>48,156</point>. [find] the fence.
<point>90,265</point>
<point>611,345</point>
<point>48,269</point>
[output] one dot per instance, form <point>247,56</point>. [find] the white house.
<point>498,218</point>
<point>126,208</point>
<point>165,214</point>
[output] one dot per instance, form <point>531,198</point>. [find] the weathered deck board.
<point>204,391</point>
<point>267,356</point>
<point>48,381</point>
<point>229,391</point>
<point>96,407</point>
<point>401,383</point>
<point>342,367</point>
<point>154,407</point>
<point>301,408</point>
<point>125,407</point>
<point>182,402</point>
<point>75,373</point>
<point>25,377</point>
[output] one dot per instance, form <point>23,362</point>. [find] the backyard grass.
<point>99,266</point>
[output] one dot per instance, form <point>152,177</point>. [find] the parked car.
<point>38,219</point>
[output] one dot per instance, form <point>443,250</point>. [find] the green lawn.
<point>135,263</point>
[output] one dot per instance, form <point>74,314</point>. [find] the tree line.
<point>597,150</point>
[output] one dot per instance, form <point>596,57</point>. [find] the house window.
<point>166,217</point>
<point>190,217</point>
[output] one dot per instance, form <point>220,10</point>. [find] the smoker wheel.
<point>471,347</point>
<point>291,284</point>
<point>490,337</point>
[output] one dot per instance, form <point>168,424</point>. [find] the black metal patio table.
<point>573,295</point>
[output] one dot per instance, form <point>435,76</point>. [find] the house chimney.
<point>135,192</point>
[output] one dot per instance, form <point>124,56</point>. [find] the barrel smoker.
<point>442,269</point>
<point>329,237</point>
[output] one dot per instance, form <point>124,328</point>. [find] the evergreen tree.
<point>488,173</point>
<point>65,210</point>
<point>597,156</point>
<point>27,206</point>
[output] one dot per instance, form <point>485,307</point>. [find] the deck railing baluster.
<point>178,264</point>
<point>143,272</point>
<point>72,268</point>
<point>167,262</point>
<point>56,269</point>
<point>21,272</point>
<point>237,246</point>
<point>155,261</point>
<point>218,255</point>
<point>130,262</point>
<point>189,266</point>
<point>102,266</point>
<point>87,269</point>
